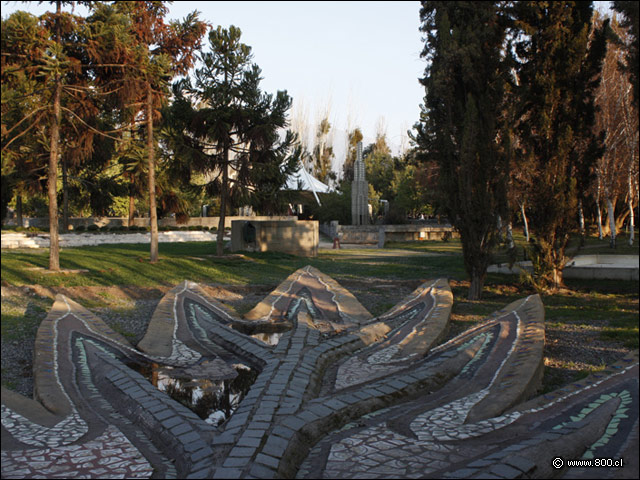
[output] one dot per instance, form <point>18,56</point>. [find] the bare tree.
<point>617,169</point>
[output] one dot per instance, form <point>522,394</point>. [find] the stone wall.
<point>43,222</point>
<point>296,237</point>
<point>369,234</point>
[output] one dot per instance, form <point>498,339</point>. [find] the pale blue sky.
<point>359,59</point>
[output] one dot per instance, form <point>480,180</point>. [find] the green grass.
<point>128,264</point>
<point>610,307</point>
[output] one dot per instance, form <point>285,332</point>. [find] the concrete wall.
<point>144,221</point>
<point>593,267</point>
<point>289,236</point>
<point>41,240</point>
<point>369,234</point>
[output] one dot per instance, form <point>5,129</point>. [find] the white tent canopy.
<point>304,181</point>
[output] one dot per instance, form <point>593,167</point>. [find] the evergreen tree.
<point>354,137</point>
<point>322,156</point>
<point>464,83</point>
<point>630,12</point>
<point>560,60</point>
<point>223,127</point>
<point>161,50</point>
<point>59,59</point>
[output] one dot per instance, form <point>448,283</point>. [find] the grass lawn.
<point>589,324</point>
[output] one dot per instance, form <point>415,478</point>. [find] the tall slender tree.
<point>629,11</point>
<point>464,83</point>
<point>55,54</point>
<point>163,50</point>
<point>560,60</point>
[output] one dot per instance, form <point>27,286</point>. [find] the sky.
<point>358,61</point>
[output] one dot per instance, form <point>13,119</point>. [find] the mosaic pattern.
<point>335,393</point>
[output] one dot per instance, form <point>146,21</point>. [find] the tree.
<point>629,11</point>
<point>354,136</point>
<point>464,83</point>
<point>225,129</point>
<point>322,155</point>
<point>163,50</point>
<point>617,168</point>
<point>379,167</point>
<point>560,60</point>
<point>56,54</point>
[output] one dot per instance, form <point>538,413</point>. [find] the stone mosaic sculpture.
<point>339,395</point>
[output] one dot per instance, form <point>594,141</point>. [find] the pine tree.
<point>58,56</point>
<point>630,12</point>
<point>560,60</point>
<point>162,50</point>
<point>464,83</point>
<point>225,128</point>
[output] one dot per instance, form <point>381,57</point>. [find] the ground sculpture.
<point>340,394</point>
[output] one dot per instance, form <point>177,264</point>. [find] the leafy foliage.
<point>464,85</point>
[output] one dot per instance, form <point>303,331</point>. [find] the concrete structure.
<point>41,240</point>
<point>210,222</point>
<point>297,237</point>
<point>359,192</point>
<point>370,234</point>
<point>595,267</point>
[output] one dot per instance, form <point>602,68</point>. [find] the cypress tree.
<point>460,122</point>
<point>560,59</point>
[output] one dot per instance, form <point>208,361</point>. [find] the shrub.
<point>92,228</point>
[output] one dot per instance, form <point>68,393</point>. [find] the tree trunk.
<point>612,222</point>
<point>223,203</point>
<point>132,210</point>
<point>510,241</point>
<point>19,211</point>
<point>524,219</point>
<point>557,277</point>
<point>599,213</point>
<point>52,180</point>
<point>153,214</point>
<point>632,225</point>
<point>581,221</point>
<point>65,197</point>
<point>477,282</point>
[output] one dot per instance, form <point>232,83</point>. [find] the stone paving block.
<point>171,422</point>
<point>164,414</point>
<point>245,452</point>
<point>320,410</point>
<point>254,433</point>
<point>295,423</point>
<point>505,471</point>
<point>246,441</point>
<point>268,461</point>
<point>282,431</point>
<point>523,464</point>
<point>235,462</point>
<point>261,471</point>
<point>275,447</point>
<point>204,473</point>
<point>181,429</point>
<point>195,445</point>
<point>188,437</point>
<point>200,454</point>
<point>223,472</point>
